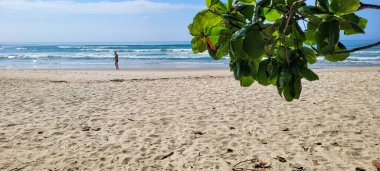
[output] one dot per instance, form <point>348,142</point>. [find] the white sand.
<point>185,120</point>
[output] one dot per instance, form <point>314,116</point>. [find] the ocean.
<point>141,55</point>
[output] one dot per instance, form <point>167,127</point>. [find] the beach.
<point>186,119</point>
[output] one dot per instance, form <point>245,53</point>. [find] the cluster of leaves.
<point>266,42</point>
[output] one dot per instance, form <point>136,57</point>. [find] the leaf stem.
<point>368,6</point>
<point>289,19</point>
<point>290,16</point>
<point>359,48</point>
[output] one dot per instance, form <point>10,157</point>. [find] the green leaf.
<point>254,43</point>
<point>237,19</point>
<point>203,21</point>
<point>288,93</point>
<point>216,6</point>
<point>311,10</point>
<point>262,74</point>
<point>351,28</point>
<point>310,54</point>
<point>246,81</point>
<point>308,74</point>
<point>283,54</point>
<point>199,44</point>
<point>342,7</point>
<point>236,69</point>
<point>323,4</point>
<point>242,69</point>
<point>237,49</point>
<point>352,24</point>
<point>273,70</point>
<point>284,78</point>
<point>271,14</point>
<point>313,23</point>
<point>216,34</point>
<point>310,37</point>
<point>283,81</point>
<point>230,4</point>
<point>297,35</point>
<point>252,2</point>
<point>222,50</point>
<point>341,57</point>
<point>297,88</point>
<point>327,37</point>
<point>247,11</point>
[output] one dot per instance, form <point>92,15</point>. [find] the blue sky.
<point>114,20</point>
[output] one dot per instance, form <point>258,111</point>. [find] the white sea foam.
<point>68,47</point>
<point>367,52</point>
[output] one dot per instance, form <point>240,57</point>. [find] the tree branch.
<point>359,48</point>
<point>368,6</point>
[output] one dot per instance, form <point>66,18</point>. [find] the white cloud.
<point>103,7</point>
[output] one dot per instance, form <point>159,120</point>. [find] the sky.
<point>115,20</point>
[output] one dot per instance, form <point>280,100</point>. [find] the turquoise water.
<point>139,55</point>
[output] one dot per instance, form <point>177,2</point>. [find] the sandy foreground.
<point>186,120</point>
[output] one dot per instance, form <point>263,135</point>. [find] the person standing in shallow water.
<point>116,59</point>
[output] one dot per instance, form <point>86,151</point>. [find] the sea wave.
<point>69,56</point>
<point>367,52</point>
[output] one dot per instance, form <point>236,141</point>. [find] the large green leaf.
<point>215,34</point>
<point>199,44</point>
<point>308,74</point>
<point>262,74</point>
<point>271,14</point>
<point>237,49</point>
<point>297,88</point>
<point>342,7</point>
<point>222,50</point>
<point>247,11</point>
<point>341,57</point>
<point>202,21</point>
<point>273,70</point>
<point>242,69</point>
<point>352,24</point>
<point>309,54</point>
<point>310,37</point>
<point>283,54</point>
<point>246,81</point>
<point>327,37</point>
<point>288,93</point>
<point>254,43</point>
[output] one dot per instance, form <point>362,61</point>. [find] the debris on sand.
<point>281,159</point>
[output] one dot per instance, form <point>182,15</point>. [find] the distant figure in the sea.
<point>116,59</point>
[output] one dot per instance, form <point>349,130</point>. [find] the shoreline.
<point>140,73</point>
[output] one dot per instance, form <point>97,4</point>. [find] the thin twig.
<point>286,26</point>
<point>290,18</point>
<point>368,6</point>
<point>251,160</point>
<point>359,48</point>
